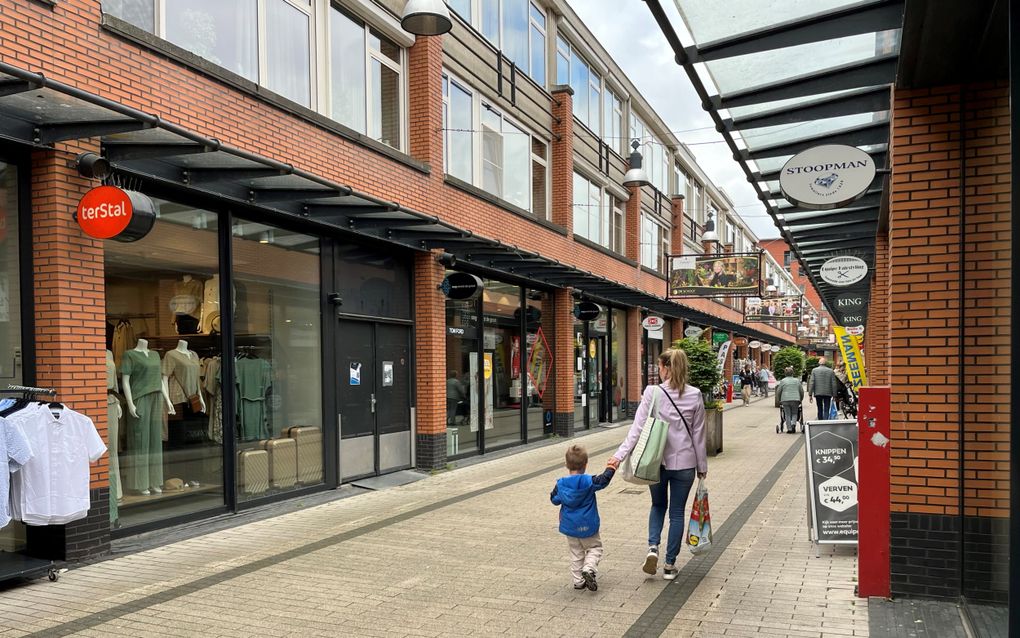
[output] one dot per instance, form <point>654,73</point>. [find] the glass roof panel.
<point>709,21</point>
<point>771,135</point>
<point>736,73</point>
<point>46,106</point>
<point>754,109</point>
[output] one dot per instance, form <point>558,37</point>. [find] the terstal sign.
<point>107,212</point>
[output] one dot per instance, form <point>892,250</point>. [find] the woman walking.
<point>789,395</point>
<point>683,458</point>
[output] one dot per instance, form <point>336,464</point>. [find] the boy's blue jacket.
<point>575,494</point>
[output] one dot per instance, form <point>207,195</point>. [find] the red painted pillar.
<point>873,568</point>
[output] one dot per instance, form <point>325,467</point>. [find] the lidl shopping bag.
<point>699,531</point>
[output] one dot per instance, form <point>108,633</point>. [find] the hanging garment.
<point>215,407</point>
<point>183,372</point>
<point>187,299</point>
<point>16,451</point>
<point>52,488</point>
<point>114,415</point>
<point>145,444</point>
<point>254,377</point>
<point>123,340</point>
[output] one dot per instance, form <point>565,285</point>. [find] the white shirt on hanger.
<point>16,451</point>
<point>53,487</point>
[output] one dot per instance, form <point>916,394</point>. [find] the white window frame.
<point>475,20</point>
<point>659,249</point>
<point>477,105</point>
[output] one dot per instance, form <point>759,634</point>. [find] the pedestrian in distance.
<point>789,396</point>
<point>683,458</point>
<point>746,382</point>
<point>822,385</point>
<point>763,379</point>
<point>579,516</point>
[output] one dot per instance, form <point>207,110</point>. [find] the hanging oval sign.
<point>776,348</point>
<point>827,176</point>
<point>693,332</point>
<point>653,323</point>
<point>843,271</point>
<point>740,341</point>
<point>587,311</point>
<point>754,345</point>
<point>107,212</point>
<point>855,330</point>
<point>461,286</point>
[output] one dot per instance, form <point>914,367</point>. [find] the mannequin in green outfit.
<point>145,392</point>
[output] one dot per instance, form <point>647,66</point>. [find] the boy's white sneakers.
<point>651,561</point>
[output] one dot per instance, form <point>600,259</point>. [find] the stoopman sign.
<point>826,177</point>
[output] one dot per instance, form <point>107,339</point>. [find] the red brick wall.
<point>430,345</point>
<point>562,165</point>
<point>941,165</point>
<point>876,333</point>
<point>70,293</point>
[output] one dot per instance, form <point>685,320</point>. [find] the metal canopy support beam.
<point>14,87</point>
<point>873,197</point>
<point>862,135</point>
<point>845,216</point>
<point>833,245</point>
<point>870,72</point>
<point>863,17</point>
<point>213,175</point>
<point>62,131</point>
<point>120,152</point>
<point>269,195</point>
<point>390,224</point>
<point>868,100</point>
<point>840,231</point>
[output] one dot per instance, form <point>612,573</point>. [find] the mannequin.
<point>145,393</point>
<point>182,375</point>
<point>186,304</point>
<point>114,414</point>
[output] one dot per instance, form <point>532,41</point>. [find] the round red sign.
<point>104,212</point>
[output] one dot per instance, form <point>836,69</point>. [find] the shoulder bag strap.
<point>677,408</point>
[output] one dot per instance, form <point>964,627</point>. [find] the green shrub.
<point>810,364</point>
<point>704,365</point>
<point>790,356</point>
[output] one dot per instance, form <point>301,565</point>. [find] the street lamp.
<point>772,285</point>
<point>709,234</point>
<point>636,176</point>
<point>426,17</point>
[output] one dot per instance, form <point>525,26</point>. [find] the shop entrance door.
<point>374,397</point>
<point>600,397</point>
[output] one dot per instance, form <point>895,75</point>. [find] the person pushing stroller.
<point>790,396</point>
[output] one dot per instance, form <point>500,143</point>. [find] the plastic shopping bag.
<point>699,531</point>
<point>832,410</point>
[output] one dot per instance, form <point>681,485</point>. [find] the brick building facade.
<point>329,222</point>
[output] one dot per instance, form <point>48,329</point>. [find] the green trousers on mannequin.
<point>145,434</point>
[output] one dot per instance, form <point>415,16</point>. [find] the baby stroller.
<point>781,426</point>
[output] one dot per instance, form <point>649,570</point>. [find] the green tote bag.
<point>648,457</point>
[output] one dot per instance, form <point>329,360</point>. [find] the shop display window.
<point>277,355</point>
<point>163,347</point>
<point>618,366</point>
<point>504,374</point>
<point>540,377</point>
<point>462,377</point>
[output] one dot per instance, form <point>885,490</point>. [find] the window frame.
<point>475,20</point>
<point>659,248</point>
<point>608,206</point>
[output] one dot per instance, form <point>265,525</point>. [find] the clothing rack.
<point>18,564</point>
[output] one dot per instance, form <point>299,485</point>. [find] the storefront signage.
<point>754,345</point>
<point>724,352</point>
<point>826,177</point>
<point>587,311</point>
<point>855,330</point>
<point>853,359</point>
<point>852,320</point>
<point>653,323</point>
<point>107,212</point>
<point>849,303</point>
<point>693,332</point>
<point>461,286</point>
<point>843,271</point>
<point>776,348</point>
<point>731,275</point>
<point>832,480</point>
<point>740,341</point>
<point>719,338</point>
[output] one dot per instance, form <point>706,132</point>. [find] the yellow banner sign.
<point>853,359</point>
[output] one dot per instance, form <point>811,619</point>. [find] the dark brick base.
<point>81,539</point>
<point>563,424</point>
<point>986,560</point>
<point>430,451</point>
<point>924,555</point>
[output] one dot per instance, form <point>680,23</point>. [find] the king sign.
<point>826,177</point>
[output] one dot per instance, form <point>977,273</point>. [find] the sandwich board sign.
<point>832,481</point>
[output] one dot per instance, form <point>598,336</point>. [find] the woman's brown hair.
<point>675,362</point>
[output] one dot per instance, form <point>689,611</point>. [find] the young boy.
<point>579,516</point>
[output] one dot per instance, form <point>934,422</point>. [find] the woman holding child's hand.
<point>683,459</point>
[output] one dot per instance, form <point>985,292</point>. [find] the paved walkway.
<point>475,552</point>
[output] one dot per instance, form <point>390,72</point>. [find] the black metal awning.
<point>784,80</point>
<point>40,112</point>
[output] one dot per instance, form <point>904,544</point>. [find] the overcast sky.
<point>628,31</point>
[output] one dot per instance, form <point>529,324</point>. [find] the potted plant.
<point>789,357</point>
<point>704,374</point>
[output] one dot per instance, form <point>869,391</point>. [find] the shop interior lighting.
<point>636,176</point>
<point>426,17</point>
<point>266,237</point>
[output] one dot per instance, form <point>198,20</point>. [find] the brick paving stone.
<point>492,564</point>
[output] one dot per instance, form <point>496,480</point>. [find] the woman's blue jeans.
<point>679,483</point>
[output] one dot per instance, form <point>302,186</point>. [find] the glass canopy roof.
<point>782,76</point>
